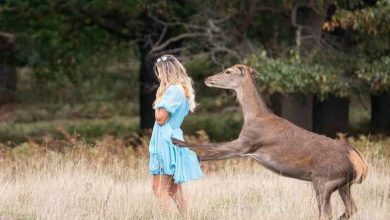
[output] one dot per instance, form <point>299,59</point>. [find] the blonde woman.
<point>171,165</point>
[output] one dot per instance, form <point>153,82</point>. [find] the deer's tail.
<point>359,164</point>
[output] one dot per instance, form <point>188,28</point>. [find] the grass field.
<point>110,181</point>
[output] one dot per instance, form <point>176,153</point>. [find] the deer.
<point>285,148</point>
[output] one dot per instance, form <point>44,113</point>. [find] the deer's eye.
<point>227,72</point>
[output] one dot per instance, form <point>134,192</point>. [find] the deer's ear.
<point>254,73</point>
<point>242,70</point>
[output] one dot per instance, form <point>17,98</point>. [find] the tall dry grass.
<point>110,181</point>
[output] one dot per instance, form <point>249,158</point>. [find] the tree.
<point>351,59</point>
<point>287,41</point>
<point>57,37</point>
<point>7,68</point>
<point>369,23</point>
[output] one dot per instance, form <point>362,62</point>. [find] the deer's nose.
<point>208,80</point>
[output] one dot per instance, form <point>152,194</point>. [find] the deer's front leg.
<point>227,147</point>
<point>218,156</point>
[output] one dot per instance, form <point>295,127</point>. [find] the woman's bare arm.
<point>161,116</point>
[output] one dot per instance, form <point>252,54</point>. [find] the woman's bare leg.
<point>161,186</point>
<point>176,193</point>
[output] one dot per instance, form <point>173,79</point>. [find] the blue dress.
<point>165,157</point>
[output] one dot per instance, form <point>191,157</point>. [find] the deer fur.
<point>285,148</point>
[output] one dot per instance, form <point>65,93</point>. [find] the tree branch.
<point>171,51</point>
<point>248,19</point>
<point>10,38</point>
<point>9,41</point>
<point>162,35</point>
<point>229,51</point>
<point>108,26</point>
<point>175,39</point>
<point>176,23</point>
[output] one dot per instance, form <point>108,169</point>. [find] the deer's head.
<point>231,78</point>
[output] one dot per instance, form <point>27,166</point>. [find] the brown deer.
<point>284,148</point>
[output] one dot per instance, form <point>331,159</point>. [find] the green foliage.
<point>199,67</point>
<point>67,52</point>
<point>83,55</point>
<point>375,76</point>
<point>369,20</point>
<point>362,66</point>
<point>74,47</point>
<point>218,127</point>
<point>295,76</point>
<point>369,26</point>
<point>322,76</point>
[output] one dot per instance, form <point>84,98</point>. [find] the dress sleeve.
<point>171,100</point>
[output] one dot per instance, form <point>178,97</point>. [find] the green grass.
<point>19,123</point>
<point>87,128</point>
<point>25,113</point>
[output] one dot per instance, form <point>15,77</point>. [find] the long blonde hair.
<point>170,71</point>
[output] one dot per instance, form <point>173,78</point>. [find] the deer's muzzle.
<point>209,82</point>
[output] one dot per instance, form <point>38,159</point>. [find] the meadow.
<point>75,77</point>
<point>109,180</point>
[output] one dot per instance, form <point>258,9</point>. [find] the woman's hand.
<point>161,116</point>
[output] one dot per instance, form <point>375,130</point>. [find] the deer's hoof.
<point>177,142</point>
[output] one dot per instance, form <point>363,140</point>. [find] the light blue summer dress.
<point>165,157</point>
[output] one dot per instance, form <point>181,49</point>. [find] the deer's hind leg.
<point>324,189</point>
<point>346,196</point>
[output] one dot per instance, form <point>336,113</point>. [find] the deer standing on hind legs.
<point>284,148</point>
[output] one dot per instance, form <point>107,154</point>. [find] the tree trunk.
<point>7,84</point>
<point>150,32</point>
<point>309,28</point>
<point>7,68</point>
<point>148,88</point>
<point>380,112</point>
<point>330,116</point>
<point>147,80</point>
<point>296,108</point>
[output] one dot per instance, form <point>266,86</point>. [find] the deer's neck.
<point>251,102</point>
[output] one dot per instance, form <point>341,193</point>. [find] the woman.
<point>171,165</point>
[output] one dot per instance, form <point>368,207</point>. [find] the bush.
<point>323,75</point>
<point>218,126</point>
